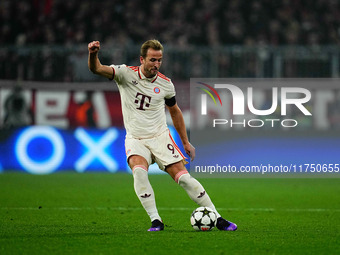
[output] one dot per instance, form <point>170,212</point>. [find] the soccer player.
<point>144,93</point>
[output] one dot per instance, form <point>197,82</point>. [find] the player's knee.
<point>176,170</point>
<point>136,160</point>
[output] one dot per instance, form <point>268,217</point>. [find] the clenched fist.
<point>94,46</point>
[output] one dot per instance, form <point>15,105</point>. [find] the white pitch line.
<point>173,209</point>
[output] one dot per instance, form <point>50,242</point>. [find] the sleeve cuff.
<point>113,74</point>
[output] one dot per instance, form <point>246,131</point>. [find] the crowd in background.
<point>45,40</point>
<point>174,22</point>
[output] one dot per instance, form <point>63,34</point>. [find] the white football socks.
<point>195,190</point>
<point>145,192</point>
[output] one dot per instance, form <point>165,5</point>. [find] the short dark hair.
<point>153,44</point>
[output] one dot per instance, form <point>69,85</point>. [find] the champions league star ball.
<point>203,219</point>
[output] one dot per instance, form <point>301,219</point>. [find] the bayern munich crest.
<point>156,90</point>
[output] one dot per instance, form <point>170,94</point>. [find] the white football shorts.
<point>161,149</point>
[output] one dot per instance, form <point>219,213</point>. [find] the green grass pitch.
<point>99,213</point>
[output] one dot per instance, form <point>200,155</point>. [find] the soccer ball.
<point>203,219</point>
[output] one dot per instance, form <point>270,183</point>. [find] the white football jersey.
<point>143,100</point>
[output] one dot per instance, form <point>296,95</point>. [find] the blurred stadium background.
<point>56,116</point>
<point>58,111</point>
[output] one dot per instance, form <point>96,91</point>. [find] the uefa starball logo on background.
<point>254,106</point>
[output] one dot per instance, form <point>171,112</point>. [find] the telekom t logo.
<point>141,99</point>
<point>239,100</point>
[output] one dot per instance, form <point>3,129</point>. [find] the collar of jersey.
<point>142,76</point>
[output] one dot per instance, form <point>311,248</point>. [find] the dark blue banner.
<point>45,149</point>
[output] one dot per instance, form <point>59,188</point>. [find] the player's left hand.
<point>190,150</point>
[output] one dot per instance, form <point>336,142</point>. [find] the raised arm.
<point>93,61</point>
<point>178,121</point>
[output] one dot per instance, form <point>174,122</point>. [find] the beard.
<point>151,72</point>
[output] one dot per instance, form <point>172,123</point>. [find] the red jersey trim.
<point>113,74</point>
<point>133,68</point>
<point>140,77</point>
<point>163,77</point>
<point>176,147</point>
